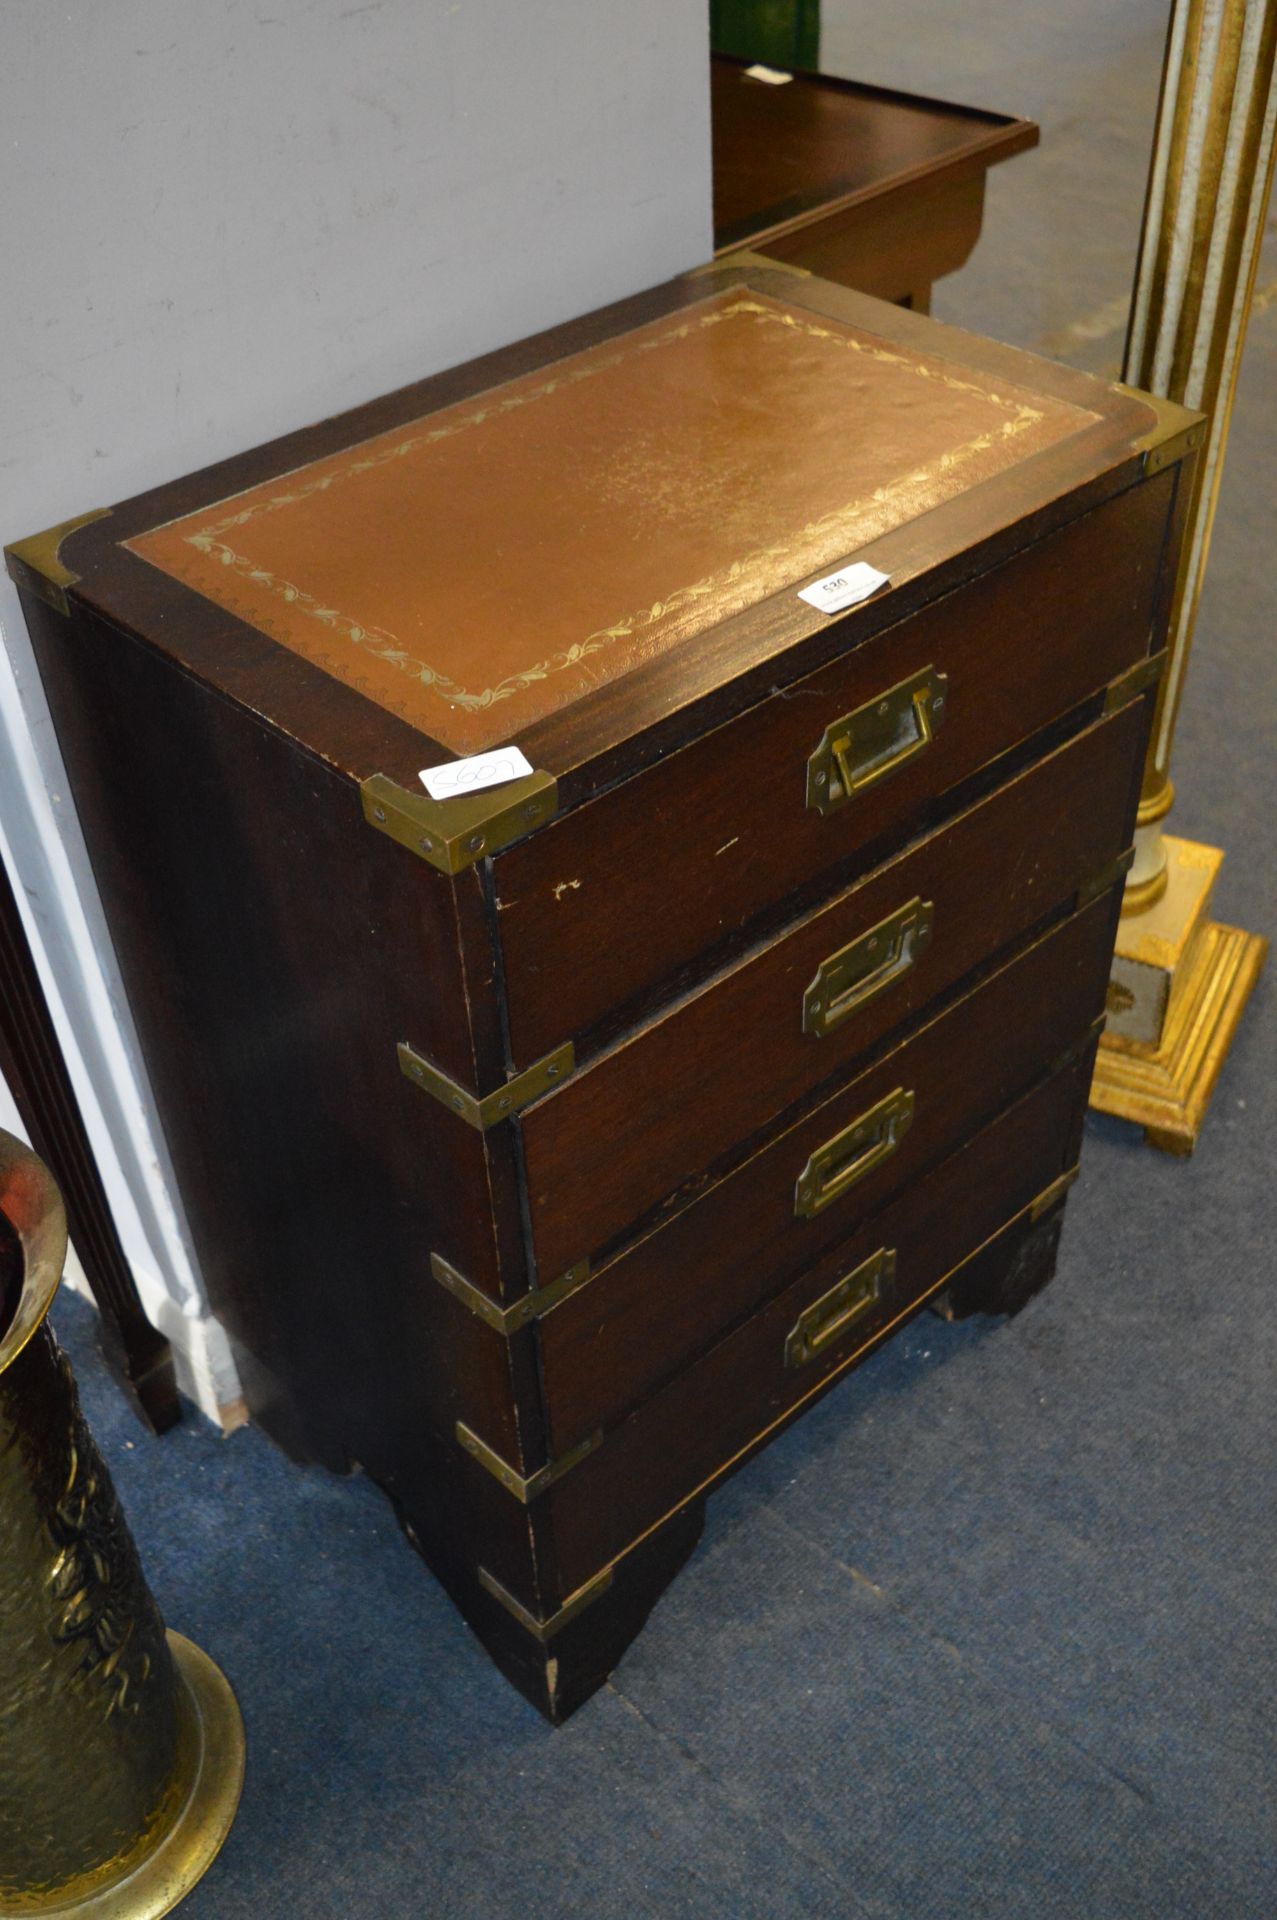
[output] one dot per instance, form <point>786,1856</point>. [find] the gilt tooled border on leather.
<point>210,539</point>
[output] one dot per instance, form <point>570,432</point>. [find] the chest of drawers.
<point>548,1147</point>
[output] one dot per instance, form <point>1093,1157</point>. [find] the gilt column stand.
<point>1180,980</point>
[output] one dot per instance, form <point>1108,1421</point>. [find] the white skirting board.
<point>201,1351</point>
<point>56,898</point>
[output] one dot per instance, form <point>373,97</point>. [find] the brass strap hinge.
<point>34,563</point>
<point>1107,877</point>
<point>1145,673</point>
<point>484,1111</point>
<point>509,1319</point>
<point>454,834</point>
<point>1051,1196</point>
<point>544,1630</point>
<point>524,1487</point>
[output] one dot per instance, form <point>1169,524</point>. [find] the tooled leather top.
<point>490,563</point>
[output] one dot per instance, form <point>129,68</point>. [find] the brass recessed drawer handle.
<point>865,966</point>
<point>876,740</point>
<point>853,1153</point>
<point>820,1324</point>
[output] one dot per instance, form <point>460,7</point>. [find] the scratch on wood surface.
<point>564,886</point>
<point>726,844</point>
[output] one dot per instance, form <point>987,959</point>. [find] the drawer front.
<point>639,1126</point>
<point>724,828</point>
<point>667,1298</point>
<point>724,1405</point>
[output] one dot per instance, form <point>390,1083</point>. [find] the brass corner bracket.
<point>1137,679</point>
<point>484,1111</point>
<point>1176,431</point>
<point>1106,877</point>
<point>1050,1197</point>
<point>524,1487</point>
<point>520,1313</point>
<point>34,564</point>
<point>544,1630</point>
<point>733,258</point>
<point>455,834</point>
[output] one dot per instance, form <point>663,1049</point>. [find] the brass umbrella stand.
<point>121,1745</point>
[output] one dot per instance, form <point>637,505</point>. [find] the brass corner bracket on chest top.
<point>456,833</point>
<point>1177,430</point>
<point>35,564</point>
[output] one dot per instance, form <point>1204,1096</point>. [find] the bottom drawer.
<point>726,1405</point>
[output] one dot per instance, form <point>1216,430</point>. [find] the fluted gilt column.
<point>1180,980</point>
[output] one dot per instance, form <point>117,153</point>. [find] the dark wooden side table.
<point>878,190</point>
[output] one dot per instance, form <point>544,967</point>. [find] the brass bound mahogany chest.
<point>550,1147</point>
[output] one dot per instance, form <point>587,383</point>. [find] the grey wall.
<point>223,217</point>
<point>220,219</point>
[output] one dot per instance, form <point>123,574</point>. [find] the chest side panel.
<point>274,950</point>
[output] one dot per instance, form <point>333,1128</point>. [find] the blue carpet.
<point>990,1632</point>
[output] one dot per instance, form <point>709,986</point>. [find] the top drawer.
<point>727,826</point>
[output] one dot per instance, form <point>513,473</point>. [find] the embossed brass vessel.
<point>121,1747</point>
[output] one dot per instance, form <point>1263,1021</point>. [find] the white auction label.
<point>839,590</point>
<point>480,770</point>
<point>772,75</point>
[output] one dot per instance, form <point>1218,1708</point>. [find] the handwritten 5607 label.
<point>480,770</point>
<point>844,589</point>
